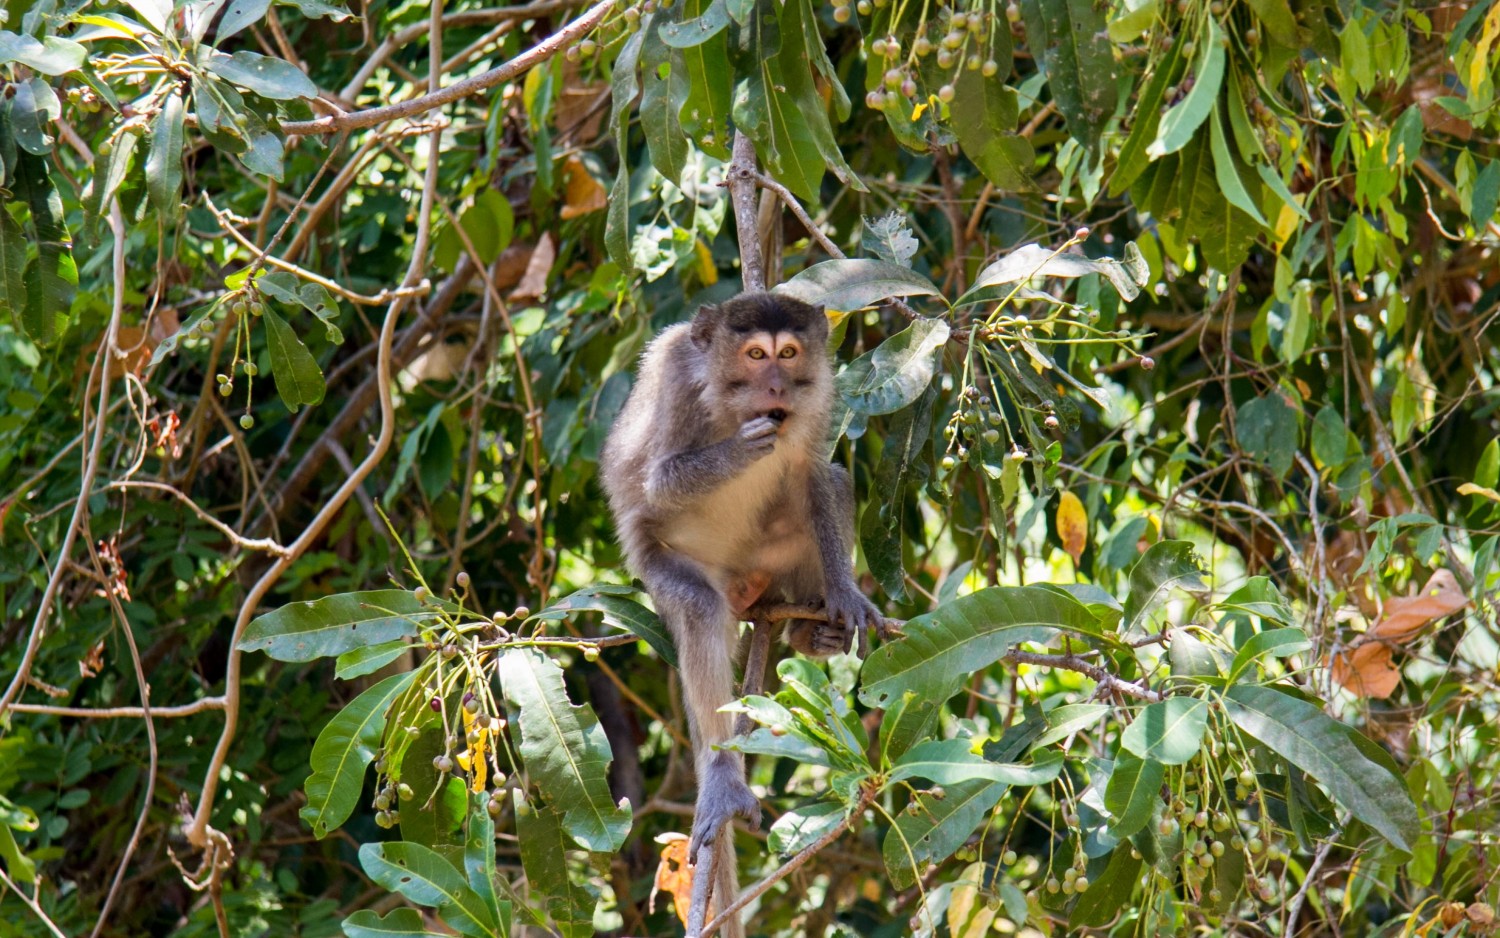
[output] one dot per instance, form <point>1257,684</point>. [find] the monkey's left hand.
<point>852,613</point>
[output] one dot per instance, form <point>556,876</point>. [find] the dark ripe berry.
<point>436,704</point>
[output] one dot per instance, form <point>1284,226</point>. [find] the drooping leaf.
<point>423,876</point>
<point>798,21</point>
<point>238,14</point>
<point>299,380</point>
<point>164,161</point>
<point>617,229</point>
<point>701,87</point>
<point>1169,731</point>
<point>664,136</point>
<point>1133,792</point>
<point>854,283</point>
<point>1267,429</point>
<point>344,749</point>
<point>1179,124</point>
<point>268,77</point>
<point>321,628</point>
<point>565,749</point>
<point>964,636</point>
<point>51,278</point>
<point>1317,744</point>
<point>1071,41</point>
<point>880,528</point>
<point>544,846</point>
<point>1064,721</point>
<point>1072,525</point>
<point>891,376</point>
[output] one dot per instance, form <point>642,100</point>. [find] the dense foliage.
<point>1168,383</point>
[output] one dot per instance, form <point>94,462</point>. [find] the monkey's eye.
<point>787,352</point>
<point>757,353</point>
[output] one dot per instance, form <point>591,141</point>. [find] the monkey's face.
<point>769,374</point>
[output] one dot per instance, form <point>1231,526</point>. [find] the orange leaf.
<point>1367,670</point>
<point>1072,525</point>
<point>674,875</point>
<point>1405,615</point>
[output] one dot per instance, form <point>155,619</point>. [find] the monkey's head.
<point>766,356</point>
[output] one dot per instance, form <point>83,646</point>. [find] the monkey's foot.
<point>722,794</point>
<point>852,610</point>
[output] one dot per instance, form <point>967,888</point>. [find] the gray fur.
<point>707,486</point>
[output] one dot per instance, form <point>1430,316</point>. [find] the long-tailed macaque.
<point>721,496</point>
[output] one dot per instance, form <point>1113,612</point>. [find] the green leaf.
<point>799,20</point>
<point>901,465</point>
<point>623,92</point>
<point>12,269</point>
<point>368,924</point>
<point>322,628</point>
<point>983,118</point>
<point>889,238</point>
<point>50,55</point>
<point>539,831</point>
<point>1406,408</point>
<point>345,748</point>
<point>164,161</point>
<point>1169,731</point>
<point>51,277</point>
<point>801,827</point>
<point>1133,792</point>
<point>1226,170</point>
<point>565,749</point>
<point>1070,39</point>
<point>22,868</point>
<point>299,380</point>
<point>1277,18</point>
<point>1180,123</point>
<point>664,138</point>
<point>949,761</point>
<point>910,719</point>
<point>1033,260</point>
<point>964,636</point>
<point>1109,892</point>
<point>701,87</point>
<point>936,828</point>
<point>423,876</point>
<point>1317,744</point>
<point>1133,161</point>
<point>1192,658</point>
<point>1068,719</point>
<point>620,612</point>
<point>1330,438</point>
<point>890,376</point>
<point>1267,431</point>
<point>1486,194</point>
<point>367,659</point>
<point>479,858</point>
<point>699,29</point>
<point>268,77</point>
<point>239,14</point>
<point>1164,566</point>
<point>854,283</point>
<point>1278,643</point>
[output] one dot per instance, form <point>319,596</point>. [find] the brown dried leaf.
<point>534,282</point>
<point>1072,525</point>
<point>1406,615</point>
<point>674,875</point>
<point>1367,670</point>
<point>582,193</point>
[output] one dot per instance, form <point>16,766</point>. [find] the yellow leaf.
<point>708,272</point>
<point>582,193</point>
<point>472,760</point>
<point>1469,488</point>
<point>674,875</point>
<point>1072,525</point>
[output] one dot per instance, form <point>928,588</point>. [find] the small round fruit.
<point>246,422</point>
<point>949,464</point>
<point>471,706</point>
<point>252,369</point>
<point>1009,858</point>
<point>1053,885</point>
<point>522,612</point>
<point>875,100</point>
<point>922,47</point>
<point>1256,845</point>
<point>1012,12</point>
<point>1081,884</point>
<point>893,78</point>
<point>1147,363</point>
<point>1246,777</point>
<point>841,14</point>
<point>588,47</point>
<point>494,806</point>
<point>990,68</point>
<point>878,48</point>
<point>405,791</point>
<point>1166,827</point>
<point>382,801</point>
<point>1052,422</point>
<point>226,389</point>
<point>420,594</point>
<point>443,764</point>
<point>945,93</point>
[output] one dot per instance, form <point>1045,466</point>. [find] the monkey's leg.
<point>705,631</point>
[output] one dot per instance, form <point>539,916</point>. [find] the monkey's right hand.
<point>722,794</point>
<point>758,437</point>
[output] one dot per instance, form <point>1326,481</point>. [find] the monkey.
<point>721,495</point>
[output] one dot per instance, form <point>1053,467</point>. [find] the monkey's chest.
<point>757,521</point>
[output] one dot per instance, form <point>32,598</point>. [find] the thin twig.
<point>32,904</point>
<point>500,74</point>
<point>120,713</point>
<point>244,543</point>
<point>1294,907</point>
<point>785,194</point>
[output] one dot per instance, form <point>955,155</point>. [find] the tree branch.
<point>741,182</point>
<point>541,52</point>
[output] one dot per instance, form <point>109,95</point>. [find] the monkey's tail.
<point>726,881</point>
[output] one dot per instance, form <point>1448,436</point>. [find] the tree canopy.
<point>1167,376</point>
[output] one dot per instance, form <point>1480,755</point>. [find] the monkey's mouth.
<point>777,414</point>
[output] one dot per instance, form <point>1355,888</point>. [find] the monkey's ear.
<point>702,329</point>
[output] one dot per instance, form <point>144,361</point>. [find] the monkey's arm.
<point>833,526</point>
<point>680,476</point>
